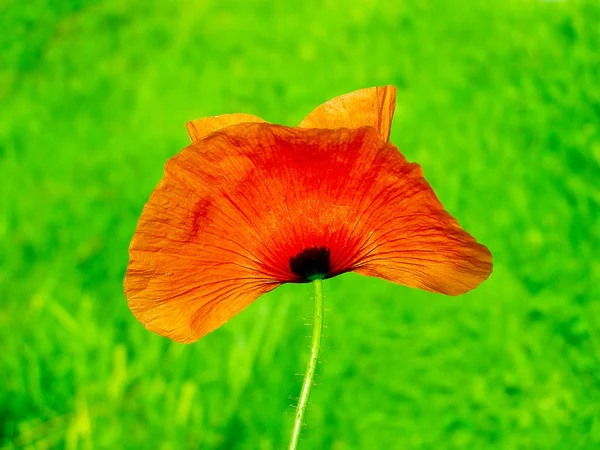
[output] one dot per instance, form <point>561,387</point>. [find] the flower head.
<point>250,205</point>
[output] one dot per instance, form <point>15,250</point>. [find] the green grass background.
<point>500,103</point>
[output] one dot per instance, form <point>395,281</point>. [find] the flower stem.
<point>312,363</point>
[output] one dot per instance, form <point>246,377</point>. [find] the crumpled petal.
<point>372,107</point>
<point>234,209</point>
<point>412,240</point>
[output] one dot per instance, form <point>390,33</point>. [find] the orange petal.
<point>247,208</point>
<point>199,128</point>
<point>184,279</point>
<point>372,107</point>
<point>411,239</point>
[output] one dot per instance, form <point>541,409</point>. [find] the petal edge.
<point>366,107</point>
<point>200,128</point>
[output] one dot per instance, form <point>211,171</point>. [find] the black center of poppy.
<point>311,263</point>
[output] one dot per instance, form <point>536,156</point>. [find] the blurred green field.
<point>500,103</point>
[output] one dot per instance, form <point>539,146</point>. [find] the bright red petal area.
<point>234,208</point>
<point>372,107</point>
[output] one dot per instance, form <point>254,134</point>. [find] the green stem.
<point>312,363</point>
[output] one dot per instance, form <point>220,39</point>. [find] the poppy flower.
<point>249,205</point>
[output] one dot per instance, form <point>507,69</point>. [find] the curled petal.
<point>256,205</point>
<point>200,128</point>
<point>372,107</point>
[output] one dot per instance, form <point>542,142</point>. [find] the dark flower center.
<point>311,263</point>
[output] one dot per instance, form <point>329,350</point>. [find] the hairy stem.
<point>312,363</point>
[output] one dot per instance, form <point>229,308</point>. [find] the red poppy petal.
<point>199,128</point>
<point>410,238</point>
<point>256,205</point>
<point>373,107</point>
<point>182,281</point>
